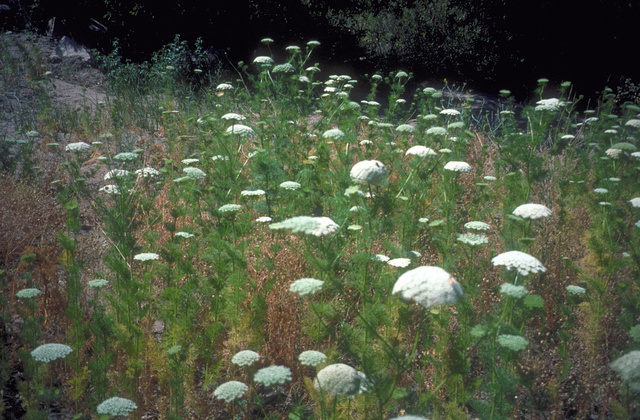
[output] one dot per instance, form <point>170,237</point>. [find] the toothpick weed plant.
<point>424,258</point>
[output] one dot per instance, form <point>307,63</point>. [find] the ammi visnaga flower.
<point>116,406</point>
<point>306,286</point>
<point>421,151</point>
<point>456,166</point>
<point>312,358</point>
<point>532,211</point>
<point>316,226</point>
<point>50,352</point>
<point>520,261</point>
<point>628,367</point>
<point>428,286</point>
<point>370,172</point>
<point>338,380</point>
<point>245,358</point>
<point>77,147</point>
<point>513,342</point>
<point>240,130</point>
<point>230,391</point>
<point>146,256</point>
<point>273,375</point>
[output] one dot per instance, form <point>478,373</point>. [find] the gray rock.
<point>68,48</point>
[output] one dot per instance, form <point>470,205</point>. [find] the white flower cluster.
<point>452,112</point>
<point>284,68</point>
<point>245,358</point>
<point>312,358</point>
<point>230,391</point>
<point>635,202</point>
<point>520,261</point>
<point>456,166</point>
<point>339,380</point>
<point>420,151</point>
<point>110,189</point>
<point>126,156</point>
<point>628,367</point>
<point>409,417</point>
<point>273,375</point>
<point>185,235</point>
<point>635,123</point>
<point>49,352</point>
<point>552,104</point>
<point>252,193</point>
<point>473,239</point>
<point>116,406</point>
<point>476,225</point>
<point>29,293</point>
<point>613,153</point>
<point>147,172</point>
<point>263,60</point>
<point>513,342</point>
<point>97,283</point>
<point>370,172</point>
<point>77,147</point>
<point>316,226</point>
<point>405,128</point>
<point>290,185</point>
<point>333,134</point>
<point>116,173</point>
<point>306,286</point>
<point>240,130</point>
<point>194,173</point>
<point>233,116</point>
<point>399,262</point>
<point>229,208</point>
<point>513,290</point>
<point>146,256</point>
<point>428,286</point>
<point>437,131</point>
<point>575,290</point>
<point>532,211</point>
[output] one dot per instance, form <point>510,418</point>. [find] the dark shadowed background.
<point>487,44</point>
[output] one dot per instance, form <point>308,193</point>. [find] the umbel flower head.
<point>473,239</point>
<point>333,134</point>
<point>116,406</point>
<point>146,256</point>
<point>513,290</point>
<point>520,261</point>
<point>49,352</point>
<point>532,211</point>
<point>513,342</point>
<point>628,367</point>
<point>338,380</point>
<point>370,172</point>
<point>306,286</point>
<point>240,130</point>
<point>420,151</point>
<point>409,417</point>
<point>77,147</point>
<point>290,185</point>
<point>456,166</point>
<point>230,391</point>
<point>428,286</point>
<point>29,293</point>
<point>194,173</point>
<point>312,358</point>
<point>245,358</point>
<point>273,375</point>
<point>316,226</point>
